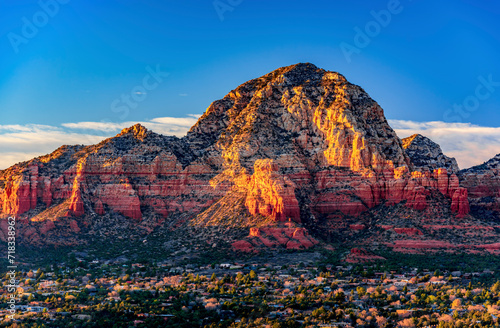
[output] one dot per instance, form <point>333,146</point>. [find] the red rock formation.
<point>359,194</point>
<point>460,202</point>
<point>417,198</point>
<point>47,226</point>
<point>74,226</point>
<point>292,244</point>
<point>465,227</point>
<point>271,194</point>
<point>121,198</point>
<point>17,196</point>
<point>361,255</point>
<point>288,235</point>
<point>408,231</point>
<point>76,202</point>
<point>99,207</point>
<point>483,185</point>
<point>243,246</point>
<point>495,246</point>
<point>46,191</point>
<point>422,244</point>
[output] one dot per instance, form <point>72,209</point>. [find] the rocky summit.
<point>427,155</point>
<point>297,158</point>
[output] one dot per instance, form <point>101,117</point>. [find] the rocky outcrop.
<point>408,231</point>
<point>76,203</point>
<point>287,236</point>
<point>426,155</point>
<point>483,187</point>
<point>361,255</point>
<point>20,191</point>
<point>271,194</point>
<point>460,202</point>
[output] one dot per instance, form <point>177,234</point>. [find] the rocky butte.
<point>298,158</point>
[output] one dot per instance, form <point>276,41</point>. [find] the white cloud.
<point>178,121</point>
<point>97,126</point>
<point>11,158</point>
<point>470,144</point>
<point>23,142</point>
<point>14,128</point>
<point>165,125</point>
<point>39,138</point>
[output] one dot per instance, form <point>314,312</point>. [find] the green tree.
<point>361,291</point>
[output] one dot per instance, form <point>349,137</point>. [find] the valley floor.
<point>83,292</point>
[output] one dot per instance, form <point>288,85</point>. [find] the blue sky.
<point>89,61</point>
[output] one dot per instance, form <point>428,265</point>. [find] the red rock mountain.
<point>295,153</point>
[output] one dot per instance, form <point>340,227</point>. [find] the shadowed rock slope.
<point>427,155</point>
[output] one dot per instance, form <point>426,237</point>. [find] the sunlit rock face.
<point>292,146</point>
<point>271,194</point>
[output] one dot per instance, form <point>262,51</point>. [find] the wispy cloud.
<point>39,138</point>
<point>22,142</point>
<point>165,125</point>
<point>96,126</point>
<point>470,144</point>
